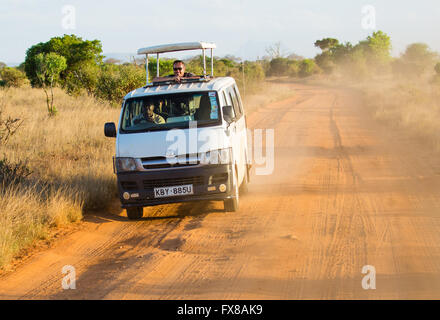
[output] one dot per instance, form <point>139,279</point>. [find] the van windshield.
<point>163,112</point>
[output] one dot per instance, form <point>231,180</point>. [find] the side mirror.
<point>110,130</point>
<point>228,114</point>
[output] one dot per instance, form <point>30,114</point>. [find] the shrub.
<point>417,58</point>
<point>293,68</point>
<point>8,125</point>
<point>307,67</point>
<point>223,67</point>
<point>13,77</point>
<point>115,81</point>
<point>10,172</point>
<point>85,77</point>
<point>13,173</point>
<point>249,76</point>
<point>278,67</point>
<point>165,67</point>
<point>325,62</point>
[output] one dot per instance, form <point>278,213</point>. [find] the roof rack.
<point>178,47</point>
<point>170,80</point>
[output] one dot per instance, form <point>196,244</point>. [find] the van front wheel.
<point>135,213</point>
<point>244,188</point>
<point>231,205</point>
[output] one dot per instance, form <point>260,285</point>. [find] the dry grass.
<point>27,214</point>
<point>267,93</point>
<point>70,160</point>
<point>411,105</point>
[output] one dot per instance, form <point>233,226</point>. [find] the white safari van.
<point>194,149</point>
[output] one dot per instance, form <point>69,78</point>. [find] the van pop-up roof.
<point>179,47</point>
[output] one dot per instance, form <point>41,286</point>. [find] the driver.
<point>149,116</point>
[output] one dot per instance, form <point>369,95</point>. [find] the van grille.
<point>162,162</point>
<point>157,183</point>
<point>168,165</point>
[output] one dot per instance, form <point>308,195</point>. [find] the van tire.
<point>248,170</point>
<point>231,205</point>
<point>244,188</point>
<point>135,213</point>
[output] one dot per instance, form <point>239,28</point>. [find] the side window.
<point>228,102</point>
<point>235,103</point>
<point>237,94</point>
<point>225,101</point>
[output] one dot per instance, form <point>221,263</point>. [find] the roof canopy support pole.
<point>146,68</point>
<point>157,72</point>
<point>212,64</point>
<point>204,63</point>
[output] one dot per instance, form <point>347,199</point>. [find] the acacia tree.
<point>48,68</point>
<point>326,43</point>
<point>78,52</point>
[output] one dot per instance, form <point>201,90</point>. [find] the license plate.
<point>173,191</point>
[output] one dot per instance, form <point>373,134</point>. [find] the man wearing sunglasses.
<point>179,71</point>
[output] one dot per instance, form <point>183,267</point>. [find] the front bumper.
<point>205,180</point>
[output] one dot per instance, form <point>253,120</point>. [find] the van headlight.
<point>125,164</point>
<point>220,156</point>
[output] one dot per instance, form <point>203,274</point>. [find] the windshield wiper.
<point>170,126</point>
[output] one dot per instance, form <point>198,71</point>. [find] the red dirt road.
<point>345,193</point>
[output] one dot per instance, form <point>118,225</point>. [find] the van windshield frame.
<point>170,111</point>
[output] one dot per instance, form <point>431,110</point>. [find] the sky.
<point>243,28</point>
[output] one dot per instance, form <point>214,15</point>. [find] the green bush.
<point>293,68</point>
<point>165,67</point>
<point>307,67</point>
<point>325,62</point>
<point>84,77</point>
<point>13,77</point>
<point>115,81</point>
<point>278,67</point>
<point>248,76</point>
<point>223,67</point>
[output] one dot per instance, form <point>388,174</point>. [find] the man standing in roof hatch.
<point>179,71</point>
